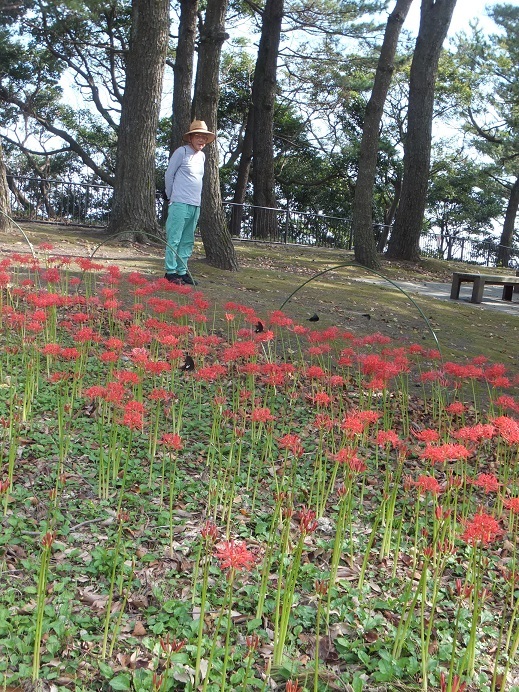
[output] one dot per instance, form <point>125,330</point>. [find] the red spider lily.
<point>441,513</point>
<point>434,376</point>
<point>487,481</point>
<point>170,646</point>
<point>416,350</point>
<point>209,532</point>
<point>234,555</point>
<point>456,408</point>
<point>495,370</point>
<point>241,349</point>
<point>261,415</point>
<point>123,517</point>
<point>210,372</point>
<point>279,319</point>
<point>159,394</point>
<point>373,339</point>
<point>508,429</point>
<point>172,441</point>
<point>481,530</point>
<point>314,372</point>
<point>463,590</point>
<point>507,402</point>
<point>292,443</point>
<point>322,399</point>
<point>475,433</point>
<point>388,437</point>
<point>512,503</point>
<point>319,350</point>
<point>321,587</point>
<point>428,484</point>
<point>52,275</point>
<point>445,452</point>
<point>456,685</point>
<point>349,458</point>
<point>87,264</point>
<point>126,377</point>
<point>48,539</point>
<point>323,421</point>
<point>156,682</point>
<point>427,435</point>
<point>252,642</point>
<point>293,686</point>
<point>307,521</point>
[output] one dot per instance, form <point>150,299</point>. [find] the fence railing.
<point>248,222</point>
<point>58,201</point>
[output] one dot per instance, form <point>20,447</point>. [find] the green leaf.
<point>253,624</point>
<point>121,682</point>
<point>106,670</point>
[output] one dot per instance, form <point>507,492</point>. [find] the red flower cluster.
<point>234,555</point>
<point>482,529</point>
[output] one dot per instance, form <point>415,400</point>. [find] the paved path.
<point>441,291</point>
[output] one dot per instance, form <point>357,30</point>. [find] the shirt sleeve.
<point>173,166</point>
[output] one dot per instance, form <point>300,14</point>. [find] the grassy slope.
<point>270,273</point>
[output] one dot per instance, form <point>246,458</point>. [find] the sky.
<point>465,11</point>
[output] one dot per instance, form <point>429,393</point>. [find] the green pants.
<point>180,236</point>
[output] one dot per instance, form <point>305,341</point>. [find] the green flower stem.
<point>40,608</point>
<point>268,557</point>
<point>405,620</point>
<point>203,601</point>
<point>117,625</point>
<point>288,600</point>
<point>111,591</point>
<point>226,605</point>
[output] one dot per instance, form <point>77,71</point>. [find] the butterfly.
<point>314,318</point>
<point>189,363</point>
<point>259,328</point>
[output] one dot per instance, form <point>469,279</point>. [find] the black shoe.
<point>188,279</point>
<point>173,278</point>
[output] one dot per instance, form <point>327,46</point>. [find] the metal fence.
<point>59,201</point>
<point>86,204</point>
<point>248,222</point>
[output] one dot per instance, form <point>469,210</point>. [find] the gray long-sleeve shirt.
<point>184,176</point>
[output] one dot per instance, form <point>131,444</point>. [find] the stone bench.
<point>509,283</point>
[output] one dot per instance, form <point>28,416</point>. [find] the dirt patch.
<point>281,276</point>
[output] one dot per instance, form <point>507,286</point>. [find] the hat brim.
<point>210,135</point>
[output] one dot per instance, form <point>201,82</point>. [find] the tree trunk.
<point>363,237</point>
<point>134,208</point>
<point>216,238</point>
<point>435,18</point>
<point>263,100</point>
<point>504,253</point>
<point>183,73</point>
<point>242,177</point>
<point>5,207</point>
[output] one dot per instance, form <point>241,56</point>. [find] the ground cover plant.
<point>263,505</point>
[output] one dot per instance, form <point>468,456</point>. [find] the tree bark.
<point>134,208</point>
<point>263,100</point>
<point>363,237</point>
<point>242,177</point>
<point>216,238</point>
<point>5,207</point>
<point>504,253</point>
<point>183,73</point>
<point>435,18</point>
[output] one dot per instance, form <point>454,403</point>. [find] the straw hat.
<point>199,127</point>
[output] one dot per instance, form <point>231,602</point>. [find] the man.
<point>184,178</point>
